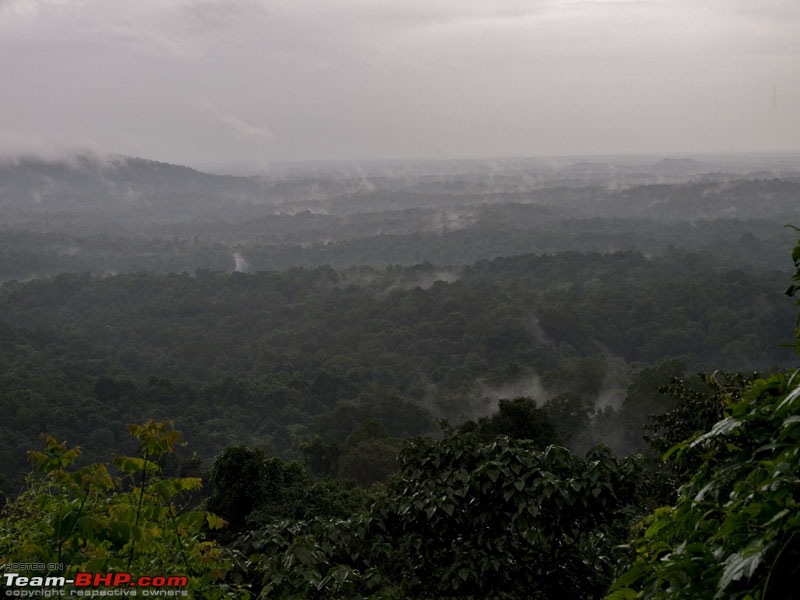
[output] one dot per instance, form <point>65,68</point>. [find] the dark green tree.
<point>519,419</point>
<point>463,519</point>
<point>242,480</point>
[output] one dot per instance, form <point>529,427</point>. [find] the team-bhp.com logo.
<point>93,585</point>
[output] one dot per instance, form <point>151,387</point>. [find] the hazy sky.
<point>192,81</point>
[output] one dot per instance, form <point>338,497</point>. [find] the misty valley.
<point>408,379</point>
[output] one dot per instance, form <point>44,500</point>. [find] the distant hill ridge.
<point>119,190</point>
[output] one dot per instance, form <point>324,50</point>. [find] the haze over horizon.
<point>201,82</point>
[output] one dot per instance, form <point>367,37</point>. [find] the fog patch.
<point>483,399</point>
<point>609,398</point>
<point>358,276</point>
<point>240,263</point>
<point>363,184</point>
<point>292,209</point>
<point>534,328</point>
<point>529,386</point>
<point>412,280</point>
<point>452,220</point>
<point>444,276</point>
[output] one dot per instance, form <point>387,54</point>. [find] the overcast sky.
<point>192,81</point>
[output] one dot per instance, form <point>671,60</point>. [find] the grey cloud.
<point>263,80</point>
<point>236,125</point>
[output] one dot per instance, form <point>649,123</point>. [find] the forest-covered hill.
<point>121,214</point>
<point>401,384</point>
<point>272,359</point>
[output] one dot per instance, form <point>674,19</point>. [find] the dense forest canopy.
<point>399,385</point>
<point>452,286</point>
<point>273,358</point>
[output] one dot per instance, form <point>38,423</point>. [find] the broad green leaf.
<point>741,565</point>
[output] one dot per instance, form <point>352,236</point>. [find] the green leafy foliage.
<point>795,287</point>
<point>733,531</point>
<point>699,403</point>
<point>502,518</point>
<point>517,418</point>
<point>90,520</point>
<point>370,461</point>
<point>463,518</point>
<point>249,489</point>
